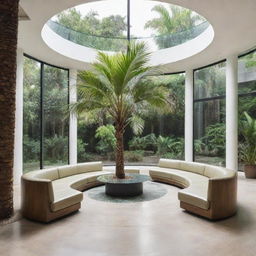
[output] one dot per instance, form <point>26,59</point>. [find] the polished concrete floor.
<point>153,228</point>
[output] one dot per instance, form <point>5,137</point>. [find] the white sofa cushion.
<point>217,172</point>
<point>196,192</point>
<point>196,195</point>
<point>48,174</point>
<point>168,163</point>
<point>65,198</point>
<point>64,190</point>
<point>67,170</point>
<point>88,167</point>
<point>170,174</point>
<point>192,167</point>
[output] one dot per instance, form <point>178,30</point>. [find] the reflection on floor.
<point>153,228</point>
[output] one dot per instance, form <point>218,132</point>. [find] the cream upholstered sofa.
<point>209,191</point>
<point>52,193</point>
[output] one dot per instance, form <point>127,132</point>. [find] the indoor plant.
<point>248,147</point>
<point>117,85</point>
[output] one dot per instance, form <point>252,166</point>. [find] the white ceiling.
<point>233,22</point>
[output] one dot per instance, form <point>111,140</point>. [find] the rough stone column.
<point>18,141</point>
<point>8,48</point>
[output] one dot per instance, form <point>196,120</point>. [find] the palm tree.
<point>169,22</point>
<point>117,84</point>
<point>8,47</point>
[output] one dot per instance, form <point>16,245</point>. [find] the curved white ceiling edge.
<point>163,56</point>
<point>233,25</point>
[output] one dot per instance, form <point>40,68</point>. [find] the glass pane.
<point>31,115</point>
<point>247,73</point>
<point>246,85</point>
<point>55,102</point>
<point>164,25</point>
<point>162,136</point>
<point>209,132</point>
<point>210,81</point>
<point>101,25</point>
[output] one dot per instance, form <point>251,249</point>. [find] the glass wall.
<point>209,114</point>
<point>46,118</point>
<point>55,130</point>
<point>246,92</point>
<point>162,135</point>
<point>31,115</point>
<point>103,25</point>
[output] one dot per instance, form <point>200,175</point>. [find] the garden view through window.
<point>162,135</point>
<point>46,119</point>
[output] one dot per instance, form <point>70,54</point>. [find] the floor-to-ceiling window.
<point>55,117</point>
<point>209,114</point>
<point>162,134</point>
<point>246,92</point>
<point>45,122</point>
<point>31,115</point>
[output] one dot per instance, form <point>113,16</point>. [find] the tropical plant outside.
<point>172,21</point>
<point>248,147</point>
<point>92,31</point>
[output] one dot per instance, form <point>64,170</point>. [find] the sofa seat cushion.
<point>195,195</point>
<point>196,191</point>
<point>64,198</point>
<point>64,190</point>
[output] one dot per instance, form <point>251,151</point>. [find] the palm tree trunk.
<point>120,152</point>
<point>8,48</point>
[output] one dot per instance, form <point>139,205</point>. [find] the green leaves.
<point>92,31</point>
<point>171,21</point>
<point>137,124</point>
<point>117,84</point>
<point>106,134</point>
<point>248,148</point>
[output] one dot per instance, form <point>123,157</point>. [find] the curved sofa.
<point>52,193</point>
<point>209,191</point>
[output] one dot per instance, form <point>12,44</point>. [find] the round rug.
<point>151,191</point>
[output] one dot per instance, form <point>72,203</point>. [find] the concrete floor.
<point>153,228</point>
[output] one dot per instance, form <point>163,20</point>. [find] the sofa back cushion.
<point>192,167</point>
<point>168,163</point>
<point>67,170</point>
<point>49,174</point>
<point>89,167</point>
<point>218,172</point>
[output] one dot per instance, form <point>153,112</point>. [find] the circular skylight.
<point>103,25</point>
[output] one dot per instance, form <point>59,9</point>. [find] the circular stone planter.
<point>132,185</point>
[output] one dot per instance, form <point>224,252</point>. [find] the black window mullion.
<point>41,115</point>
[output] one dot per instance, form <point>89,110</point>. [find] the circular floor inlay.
<point>151,191</point>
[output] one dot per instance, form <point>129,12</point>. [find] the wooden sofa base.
<point>196,210</point>
<point>50,216</point>
<point>202,212</point>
